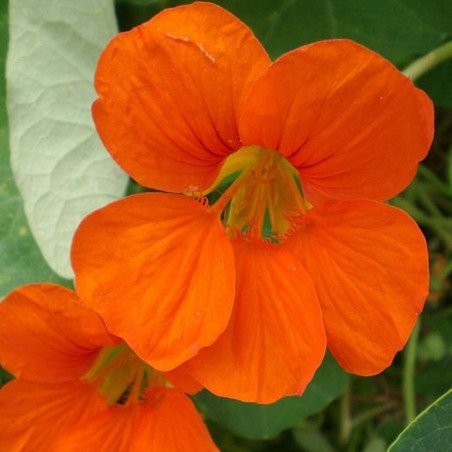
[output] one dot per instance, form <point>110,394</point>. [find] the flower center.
<point>121,376</point>
<point>264,198</point>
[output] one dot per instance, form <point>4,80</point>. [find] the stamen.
<point>271,211</point>
<point>267,189</point>
<point>292,187</point>
<point>259,206</point>
<point>105,356</point>
<point>122,377</point>
<point>244,177</point>
<point>138,384</point>
<point>224,199</point>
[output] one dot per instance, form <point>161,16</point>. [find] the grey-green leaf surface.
<point>59,164</point>
<point>254,421</point>
<point>430,431</point>
<point>20,259</point>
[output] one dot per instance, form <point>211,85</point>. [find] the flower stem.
<point>371,413</point>
<point>409,394</point>
<point>345,413</point>
<point>429,61</point>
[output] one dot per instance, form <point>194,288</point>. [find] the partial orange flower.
<point>299,252</point>
<point>78,388</point>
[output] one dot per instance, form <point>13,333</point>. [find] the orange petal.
<point>347,119</point>
<point>166,421</point>
<point>48,335</point>
<point>182,378</point>
<point>33,416</point>
<point>275,340</point>
<point>369,265</point>
<point>159,270</point>
<point>170,92</point>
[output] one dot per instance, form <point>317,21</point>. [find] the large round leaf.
<point>430,431</point>
<point>256,421</point>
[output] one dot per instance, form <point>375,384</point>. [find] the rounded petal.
<point>346,118</point>
<point>369,265</point>
<point>159,269</point>
<point>275,340</point>
<point>170,92</point>
<point>48,335</point>
<point>33,416</point>
<point>166,421</point>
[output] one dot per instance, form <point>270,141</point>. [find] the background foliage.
<point>337,412</point>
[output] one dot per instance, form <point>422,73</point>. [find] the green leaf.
<point>255,421</point>
<point>398,29</point>
<point>131,13</point>
<point>161,3</point>
<point>433,373</point>
<point>431,430</point>
<point>5,376</point>
<point>375,445</point>
<point>449,167</point>
<point>312,440</point>
<point>58,162</point>
<point>437,84</point>
<point>20,259</point>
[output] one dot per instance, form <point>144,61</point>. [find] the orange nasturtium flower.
<point>77,388</point>
<point>300,252</point>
